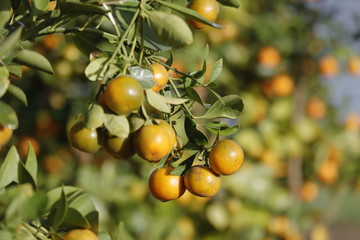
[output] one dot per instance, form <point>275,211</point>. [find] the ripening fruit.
<point>5,134</point>
<point>165,186</point>
<point>83,138</point>
<point>206,8</point>
<point>152,143</point>
<point>120,148</point>
<point>124,95</point>
<point>202,181</point>
<point>80,234</point>
<point>160,76</point>
<point>353,66</point>
<point>328,66</point>
<point>226,157</point>
<point>309,191</point>
<point>282,85</point>
<point>269,56</point>
<point>328,171</point>
<point>23,146</point>
<point>170,130</point>
<point>316,108</point>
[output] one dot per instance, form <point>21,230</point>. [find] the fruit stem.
<point>35,231</point>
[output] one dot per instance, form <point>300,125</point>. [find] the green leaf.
<point>230,3</point>
<point>123,234</point>
<point>216,71</point>
<point>194,95</point>
<point>170,29</point>
<point>206,52</point>
<point>15,69</point>
<point>84,45</point>
<point>38,7</point>
<point>8,116</point>
<point>6,235</point>
<point>195,135</point>
<point>156,101</point>
<point>104,236</point>
<point>18,93</point>
<point>184,165</point>
<point>143,75</point>
<point>74,219</point>
<point>174,100</point>
<point>24,175</point>
<point>117,125</point>
<point>228,107</point>
<point>96,71</point>
<point>60,211</point>
<point>5,14</point>
<point>77,8</point>
<point>4,84</point>
<point>35,206</point>
<point>55,194</point>
<point>221,128</point>
<point>33,60</point>
<point>31,163</point>
<point>94,118</point>
<point>9,168</point>
<point>9,43</point>
<point>189,13</point>
<point>136,122</point>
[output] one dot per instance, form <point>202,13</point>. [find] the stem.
<point>66,30</point>
<point>35,232</point>
<point>187,110</point>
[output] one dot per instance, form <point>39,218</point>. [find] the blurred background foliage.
<point>300,177</point>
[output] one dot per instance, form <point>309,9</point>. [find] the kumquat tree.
<point>173,119</point>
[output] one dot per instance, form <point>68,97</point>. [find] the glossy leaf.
<point>8,116</point>
<point>170,29</point>
<point>117,125</point>
<point>228,107</point>
<point>33,60</point>
<point>230,3</point>
<point>94,118</point>
<point>189,13</point>
<point>143,75</point>
<point>136,122</point>
<point>9,43</point>
<point>9,168</point>
<point>194,134</point>
<point>18,93</point>
<point>156,101</point>
<point>221,128</point>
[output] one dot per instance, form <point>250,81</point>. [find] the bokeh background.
<point>296,65</point>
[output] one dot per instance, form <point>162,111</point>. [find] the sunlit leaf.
<point>31,163</point>
<point>24,175</point>
<point>221,128</point>
<point>117,125</point>
<point>216,71</point>
<point>143,75</point>
<point>94,118</point>
<point>9,43</point>
<point>156,101</point>
<point>228,107</point>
